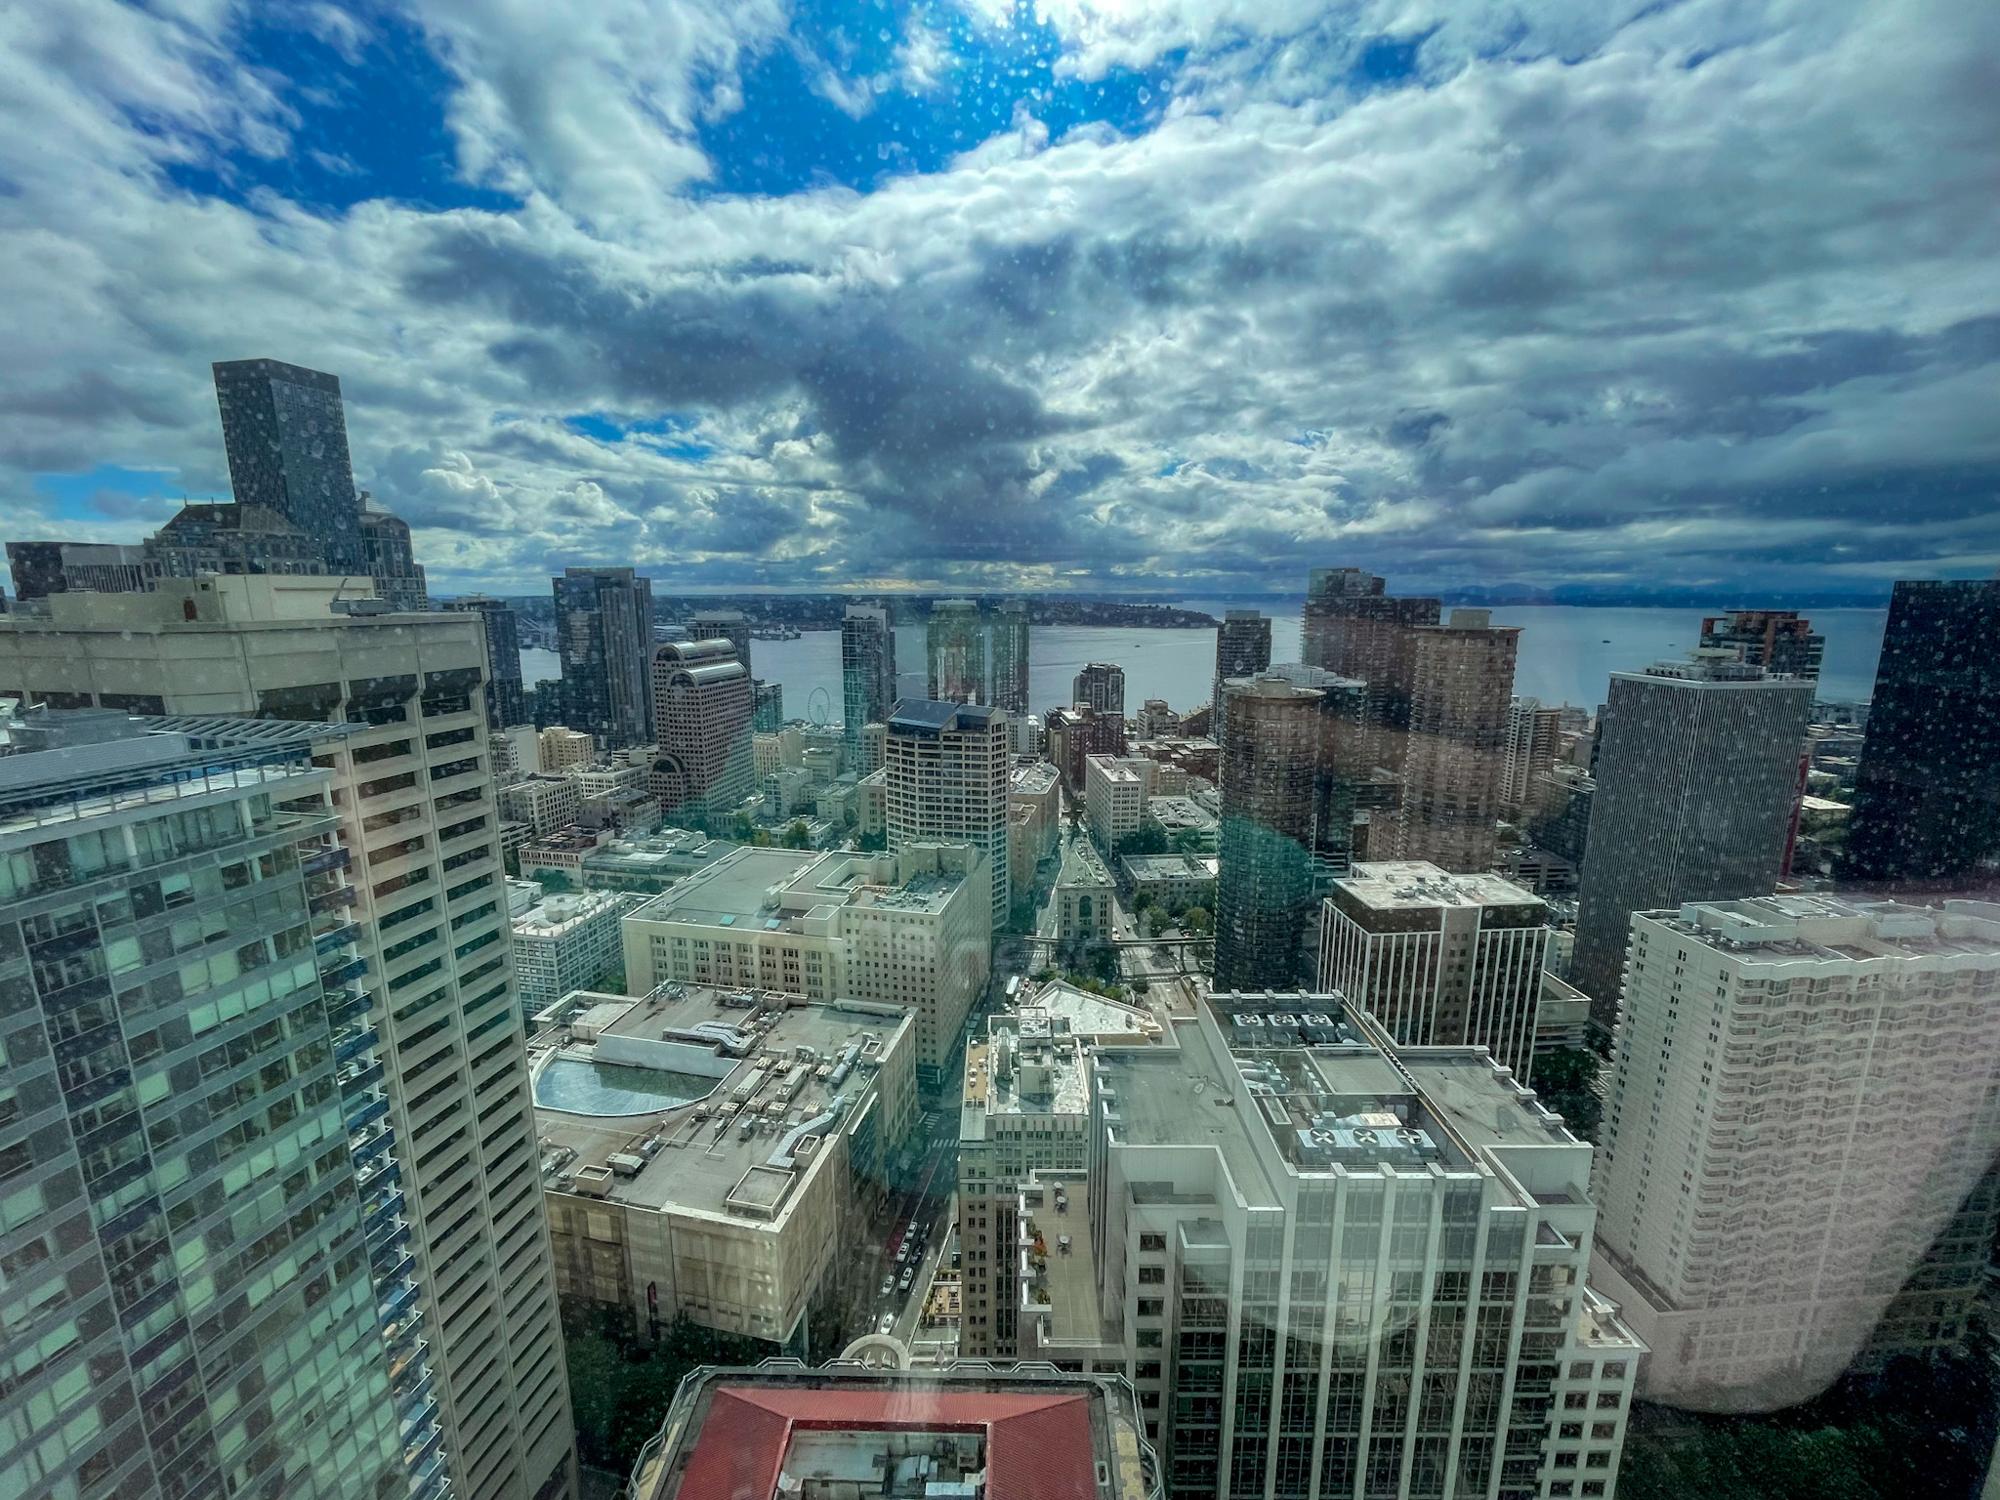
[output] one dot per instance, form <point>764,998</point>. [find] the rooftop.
<point>1059,1280</point>
<point>559,915</point>
<point>715,1095</point>
<point>924,714</point>
<point>1081,865</point>
<point>784,1429</point>
<point>1405,884</point>
<point>741,887</point>
<point>1145,867</point>
<point>1781,929</point>
<point>1033,779</point>
<point>1173,813</point>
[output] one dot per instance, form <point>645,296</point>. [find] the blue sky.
<point>1165,296</point>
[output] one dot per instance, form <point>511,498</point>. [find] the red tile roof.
<point>1038,1444</point>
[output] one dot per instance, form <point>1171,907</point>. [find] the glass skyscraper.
<point>867,671</point>
<point>604,630</point>
<point>506,703</point>
<point>284,430</point>
<point>205,1285</point>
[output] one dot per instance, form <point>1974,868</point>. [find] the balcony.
<point>359,1076</point>
<point>340,974</point>
<point>416,1455</point>
<point>400,1299</point>
<point>402,1334</point>
<point>382,1208</point>
<point>417,1414</point>
<point>346,1005</point>
<point>349,1042</point>
<point>319,861</point>
<point>383,1168</point>
<point>335,936</point>
<point>409,1375</point>
<point>366,1145</point>
<point>392,1258</point>
<point>333,898</point>
<point>429,1472</point>
<point>365,1111</point>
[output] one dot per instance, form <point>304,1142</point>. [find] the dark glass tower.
<point>1010,658</point>
<point>1352,627</point>
<point>1242,649</point>
<point>284,430</point>
<point>1927,799</point>
<point>506,702</point>
<point>1698,767</point>
<point>604,632</point>
<point>867,670</point>
<point>1264,884</point>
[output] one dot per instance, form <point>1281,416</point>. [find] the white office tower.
<point>418,822</point>
<point>947,766</point>
<point>1438,958</point>
<point>1804,1092</point>
<point>1331,1266</point>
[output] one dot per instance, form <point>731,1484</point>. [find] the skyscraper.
<point>1343,764</point>
<point>703,705</point>
<point>604,632</point>
<point>390,560</point>
<point>419,825</point>
<point>867,671</point>
<point>1533,734</point>
<point>768,711</point>
<point>1927,798</point>
<point>1461,681</point>
<point>730,625</point>
<point>1438,959</point>
<point>284,431</point>
<point>1804,1102</point>
<point>506,703</point>
<point>206,1287</point>
<point>1778,640</point>
<point>1697,767</point>
<point>1270,766</point>
<point>1242,649</point>
<point>1010,658</point>
<point>955,652</point>
<point>947,766</point>
<point>1101,684</point>
<point>1352,627</point>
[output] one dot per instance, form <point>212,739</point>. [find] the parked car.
<point>888,1322</point>
<point>888,1284</point>
<point>909,1275</point>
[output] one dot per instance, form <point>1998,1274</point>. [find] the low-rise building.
<point>1083,895</point>
<point>1175,881</point>
<point>545,802</point>
<point>1184,822</point>
<point>860,1428</point>
<point>563,747</point>
<point>1562,1016</point>
<point>871,803</point>
<point>708,1156</point>
<point>561,854</point>
<point>910,928</point>
<point>566,943</point>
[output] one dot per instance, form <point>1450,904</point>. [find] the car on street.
<point>909,1275</point>
<point>888,1322</point>
<point>888,1284</point>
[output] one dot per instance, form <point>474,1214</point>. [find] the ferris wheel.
<point>819,707</point>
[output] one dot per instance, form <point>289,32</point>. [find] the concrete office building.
<point>1533,735</point>
<point>516,752</point>
<point>1270,770</point>
<point>1175,881</point>
<point>180,1010</point>
<point>418,821</point>
<point>561,747</point>
<point>1697,770</point>
<point>1363,1276</point>
<point>506,702</point>
<point>1024,1108</point>
<point>860,1428</point>
<point>1156,720</point>
<point>955,652</point>
<point>867,674</point>
<point>1115,789</point>
<point>1010,659</point>
<point>908,929</point>
<point>730,625</point>
<point>390,558</point>
<point>948,782</point>
<point>730,1190</point>
<point>702,710</point>
<point>1083,895</point>
<point>1461,686</point>
<point>1927,796</point>
<point>604,635</point>
<point>565,943</point>
<point>1804,1100</point>
<point>44,568</point>
<point>1242,649</point>
<point>546,802</point>
<point>1438,959</point>
<point>1352,627</point>
<point>1778,640</point>
<point>1101,684</point>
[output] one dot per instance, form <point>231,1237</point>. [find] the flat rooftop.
<point>1165,1097</point>
<point>1061,1281</point>
<point>1033,779</point>
<point>1407,884</point>
<point>557,915</point>
<point>1778,929</point>
<point>687,1133</point>
<point>738,888</point>
<point>1081,865</point>
<point>1144,867</point>
<point>772,889</point>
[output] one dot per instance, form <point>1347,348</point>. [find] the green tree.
<point>797,835</point>
<point>1189,841</point>
<point>1148,838</point>
<point>1563,1079</point>
<point>1196,920</point>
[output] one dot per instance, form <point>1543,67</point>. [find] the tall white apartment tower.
<point>415,800</point>
<point>1804,1097</point>
<point>947,766</point>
